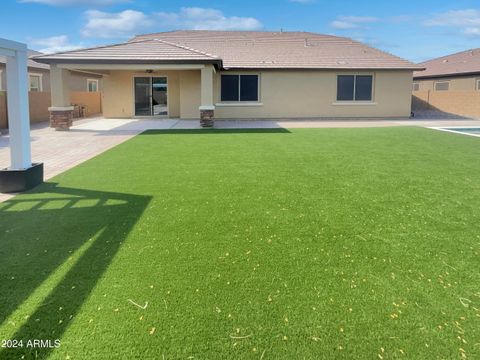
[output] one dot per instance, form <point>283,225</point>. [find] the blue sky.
<point>416,30</point>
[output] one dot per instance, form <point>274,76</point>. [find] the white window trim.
<point>477,84</point>
<point>240,102</point>
<point>40,82</point>
<point>440,82</point>
<point>1,73</point>
<point>355,102</point>
<point>92,80</point>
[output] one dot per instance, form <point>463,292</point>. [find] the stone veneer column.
<point>207,109</point>
<point>61,117</point>
<point>61,113</point>
<point>207,116</point>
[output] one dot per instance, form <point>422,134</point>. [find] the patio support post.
<point>207,109</point>
<point>22,174</point>
<point>61,111</point>
<point>18,111</point>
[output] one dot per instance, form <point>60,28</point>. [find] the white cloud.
<point>114,25</point>
<point>75,2</point>
<point>468,21</point>
<point>129,22</point>
<point>352,22</point>
<point>54,44</point>
<point>206,19</point>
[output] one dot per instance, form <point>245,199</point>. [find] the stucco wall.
<point>462,97</point>
<point>38,106</point>
<point>39,102</point>
<point>91,100</point>
<point>464,83</point>
<point>458,102</point>
<point>291,94</point>
<point>117,96</point>
<point>45,77</point>
<point>303,94</point>
<point>78,81</point>
<point>190,95</point>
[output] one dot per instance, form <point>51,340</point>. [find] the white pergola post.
<point>207,109</point>
<point>17,103</point>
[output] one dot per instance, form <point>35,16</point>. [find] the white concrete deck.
<point>62,150</point>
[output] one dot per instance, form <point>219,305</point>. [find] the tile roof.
<point>244,50</point>
<point>465,62</point>
<point>30,62</point>
<point>142,50</point>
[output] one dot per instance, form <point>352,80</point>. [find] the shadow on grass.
<point>55,229</point>
<point>218,131</point>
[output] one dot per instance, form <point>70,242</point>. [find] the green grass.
<point>325,243</point>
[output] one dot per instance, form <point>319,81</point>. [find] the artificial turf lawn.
<point>262,244</point>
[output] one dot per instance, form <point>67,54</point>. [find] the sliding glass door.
<point>151,96</point>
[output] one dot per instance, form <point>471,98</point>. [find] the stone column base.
<point>207,118</point>
<point>61,117</point>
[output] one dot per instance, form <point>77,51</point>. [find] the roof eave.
<point>237,68</point>
<point>447,75</point>
<point>51,60</point>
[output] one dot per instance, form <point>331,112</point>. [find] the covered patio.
<point>168,81</point>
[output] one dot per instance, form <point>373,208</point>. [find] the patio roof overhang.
<point>130,64</point>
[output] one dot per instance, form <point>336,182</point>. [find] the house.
<point>450,84</point>
<point>239,75</point>
<point>39,89</point>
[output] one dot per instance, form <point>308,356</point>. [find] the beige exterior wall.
<point>464,103</point>
<point>78,81</point>
<point>287,93</point>
<point>39,102</point>
<point>43,72</point>
<point>92,101</point>
<point>118,97</point>
<point>466,83</point>
<point>462,97</point>
<point>304,94</point>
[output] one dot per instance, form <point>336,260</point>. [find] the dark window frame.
<point>239,93</point>
<point>354,99</point>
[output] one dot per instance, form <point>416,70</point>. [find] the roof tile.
<point>245,50</point>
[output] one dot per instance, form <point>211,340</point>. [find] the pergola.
<point>22,174</point>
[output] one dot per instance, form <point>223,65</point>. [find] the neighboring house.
<point>238,74</point>
<point>39,77</point>
<point>39,74</point>
<point>450,84</point>
<point>39,90</point>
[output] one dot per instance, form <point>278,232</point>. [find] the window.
<point>239,88</point>
<point>1,74</point>
<point>354,87</point>
<point>416,86</point>
<point>442,86</point>
<point>35,82</point>
<point>478,83</point>
<point>92,85</point>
